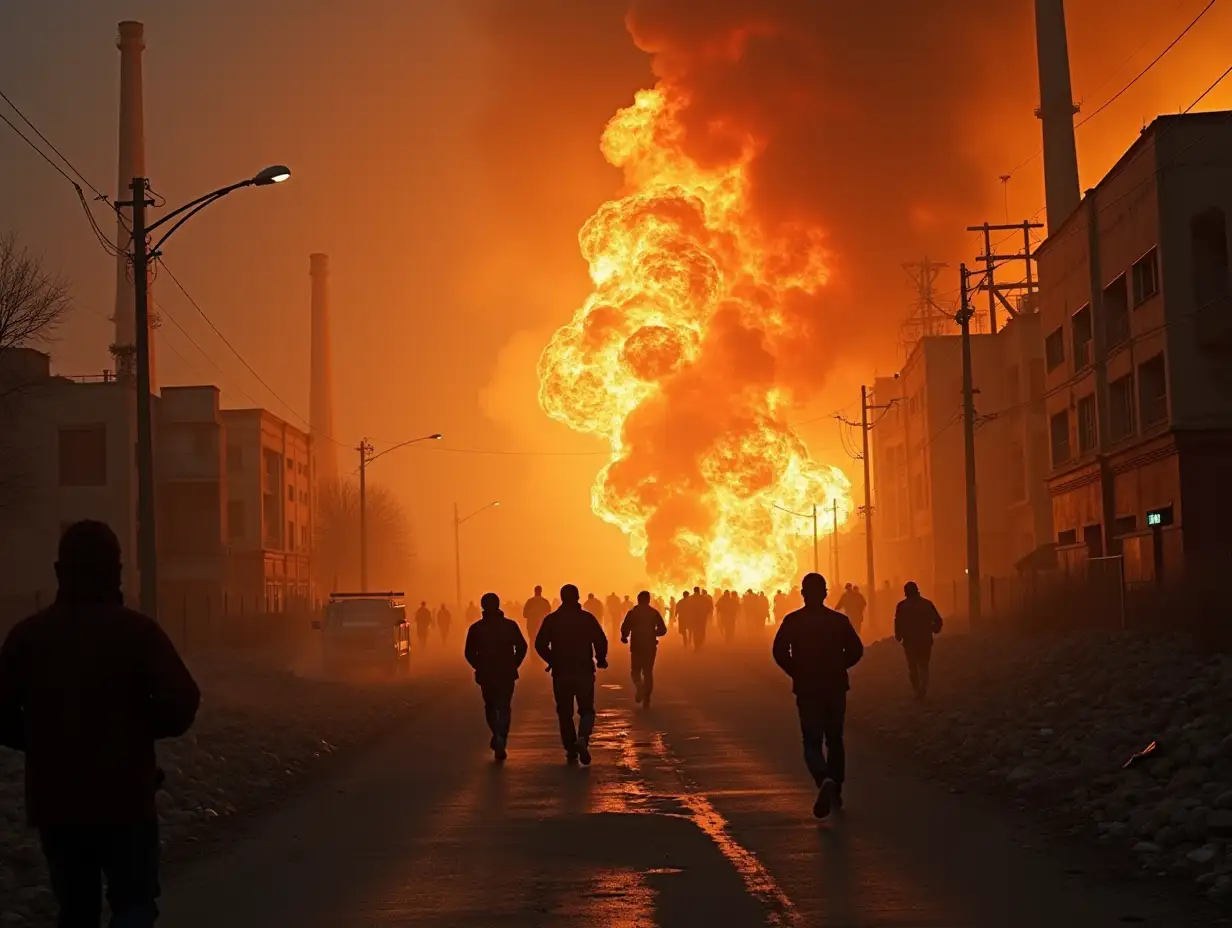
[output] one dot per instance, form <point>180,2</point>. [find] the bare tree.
<point>336,552</point>
<point>33,301</point>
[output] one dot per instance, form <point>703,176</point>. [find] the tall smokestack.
<point>321,399</point>
<point>1056,112</point>
<point>131,43</point>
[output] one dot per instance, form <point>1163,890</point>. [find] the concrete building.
<point>1134,302</point>
<point>919,488</point>
<point>233,489</point>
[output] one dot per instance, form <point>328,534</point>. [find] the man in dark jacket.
<point>86,686</point>
<point>423,623</point>
<point>572,643</point>
<point>495,648</point>
<point>916,620</point>
<point>641,630</point>
<point>816,646</point>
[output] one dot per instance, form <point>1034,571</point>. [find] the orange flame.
<point>671,360</point>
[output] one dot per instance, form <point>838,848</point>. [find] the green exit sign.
<point>1159,517</point>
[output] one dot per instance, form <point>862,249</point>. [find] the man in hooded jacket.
<point>641,630</point>
<point>495,649</point>
<point>572,643</point>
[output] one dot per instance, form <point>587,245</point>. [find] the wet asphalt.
<point>696,812</point>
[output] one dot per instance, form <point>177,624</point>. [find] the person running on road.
<point>86,687</point>
<point>844,601</point>
<point>572,643</point>
<point>423,623</point>
<point>533,612</point>
<point>916,620</point>
<point>816,646</point>
<point>684,618</point>
<point>495,649</point>
<point>443,620</point>
<point>856,604</point>
<point>641,630</point>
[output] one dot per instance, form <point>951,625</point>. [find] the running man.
<point>495,650</point>
<point>641,630</point>
<point>572,643</point>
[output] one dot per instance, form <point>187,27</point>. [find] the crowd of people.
<point>87,686</point>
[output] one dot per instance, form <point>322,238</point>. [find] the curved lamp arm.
<point>274,174</point>
<point>435,436</point>
<point>494,503</point>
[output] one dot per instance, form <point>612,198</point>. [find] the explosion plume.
<point>701,333</point>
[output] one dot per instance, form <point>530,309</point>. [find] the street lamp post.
<point>142,253</point>
<point>366,457</point>
<point>457,547</point>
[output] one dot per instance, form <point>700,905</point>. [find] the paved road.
<point>696,813</point>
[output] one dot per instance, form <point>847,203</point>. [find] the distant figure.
<point>641,630</point>
<point>856,604</point>
<point>916,620</point>
<point>612,614</point>
<point>472,612</point>
<point>534,611</point>
<point>443,620</point>
<point>844,601</point>
<point>495,649</point>
<point>86,687</point>
<point>572,644</point>
<point>684,618</point>
<point>423,623</point>
<point>780,606</point>
<point>728,607</point>
<point>816,646</point>
<point>671,610</point>
<point>593,606</point>
<point>703,609</point>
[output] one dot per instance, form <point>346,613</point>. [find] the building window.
<point>1067,537</point>
<point>1208,237</point>
<point>1124,525</point>
<point>235,520</point>
<point>1087,425</point>
<point>1082,337</point>
<point>83,456</point>
<point>1121,408</point>
<point>1093,537</point>
<point>291,494</point>
<point>303,497</point>
<point>1152,391</point>
<point>1058,427</point>
<point>1146,277</point>
<point>235,459</point>
<point>1054,348</point>
<point>290,535</point>
<point>1116,311</point>
<point>290,464</point>
<point>304,537</point>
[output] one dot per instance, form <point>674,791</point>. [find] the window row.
<point>1123,418</point>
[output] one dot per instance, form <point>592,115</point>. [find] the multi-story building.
<point>1137,325</point>
<point>233,489</point>
<point>919,479</point>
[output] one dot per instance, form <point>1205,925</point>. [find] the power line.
<point>555,454</point>
<point>47,142</point>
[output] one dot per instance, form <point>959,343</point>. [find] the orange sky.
<point>445,155</point>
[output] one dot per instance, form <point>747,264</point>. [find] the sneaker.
<point>825,798</point>
<point>498,748</point>
<point>583,753</point>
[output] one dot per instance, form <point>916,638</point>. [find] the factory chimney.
<point>321,397</point>
<point>131,43</point>
<point>1056,112</point>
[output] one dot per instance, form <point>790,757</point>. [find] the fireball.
<point>672,359</point>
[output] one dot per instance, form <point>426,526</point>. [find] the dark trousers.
<point>81,857</point>
<point>568,691</point>
<point>641,664</point>
<point>918,656</point>
<point>821,726</point>
<point>498,707</point>
<point>422,632</point>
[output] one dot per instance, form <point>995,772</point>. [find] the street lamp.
<point>142,253</point>
<point>366,457</point>
<point>457,545</point>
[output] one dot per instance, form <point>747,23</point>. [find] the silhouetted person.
<point>684,618</point>
<point>423,623</point>
<point>916,620</point>
<point>780,606</point>
<point>495,648</point>
<point>816,646</point>
<point>612,614</point>
<point>443,620</point>
<point>844,601</point>
<point>727,607</point>
<point>86,687</point>
<point>641,630</point>
<point>572,644</point>
<point>856,604</point>
<point>472,612</point>
<point>534,611</point>
<point>703,608</point>
<point>593,606</point>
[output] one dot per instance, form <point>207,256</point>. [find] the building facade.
<point>1137,327</point>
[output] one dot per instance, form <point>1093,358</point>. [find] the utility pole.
<point>147,538</point>
<point>457,558</point>
<point>834,543</point>
<point>868,500</point>
<point>365,449</point>
<point>816,564</point>
<point>973,521</point>
<point>1025,288</point>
